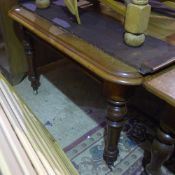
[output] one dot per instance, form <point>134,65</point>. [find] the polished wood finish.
<point>119,79</point>
<point>162,149</point>
<point>115,120</point>
<point>116,75</point>
<point>93,59</point>
<point>162,85</point>
<point>116,111</point>
<point>30,55</point>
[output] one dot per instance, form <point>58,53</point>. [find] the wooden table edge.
<point>157,92</point>
<point>125,78</point>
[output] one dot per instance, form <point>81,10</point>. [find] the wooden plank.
<point>26,140</point>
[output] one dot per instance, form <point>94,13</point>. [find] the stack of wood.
<point>26,147</point>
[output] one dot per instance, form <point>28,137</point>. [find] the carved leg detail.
<point>115,121</point>
<point>32,72</point>
<point>162,149</point>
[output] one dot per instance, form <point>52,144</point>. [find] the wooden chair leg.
<point>32,71</point>
<point>162,149</point>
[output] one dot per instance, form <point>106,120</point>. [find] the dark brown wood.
<point>116,112</point>
<point>163,145</point>
<point>115,120</point>
<point>29,51</point>
<point>117,75</point>
<point>162,85</point>
<point>95,60</point>
<point>162,149</point>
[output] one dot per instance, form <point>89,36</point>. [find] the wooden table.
<point>118,79</point>
<point>163,85</point>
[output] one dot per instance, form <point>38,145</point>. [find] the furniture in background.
<point>118,78</point>
<point>13,61</point>
<point>162,85</point>
<point>136,14</point>
<point>26,146</point>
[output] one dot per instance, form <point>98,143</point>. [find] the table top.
<point>106,34</point>
<point>162,85</point>
<point>102,64</point>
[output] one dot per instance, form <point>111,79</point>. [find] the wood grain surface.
<point>91,58</point>
<point>162,85</point>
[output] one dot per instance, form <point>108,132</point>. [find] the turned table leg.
<point>162,149</point>
<point>116,111</point>
<point>32,72</point>
<point>115,120</point>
